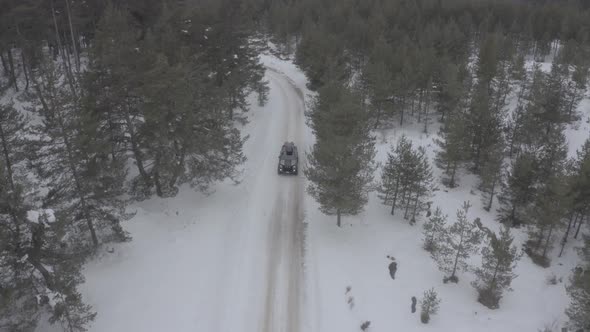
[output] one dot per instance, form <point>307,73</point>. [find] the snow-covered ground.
<point>351,264</point>
<point>229,261</point>
<point>356,257</point>
<point>259,256</point>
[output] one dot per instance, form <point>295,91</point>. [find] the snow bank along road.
<point>230,261</point>
<point>285,261</point>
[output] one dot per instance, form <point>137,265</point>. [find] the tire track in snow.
<point>282,311</point>
<point>239,277</point>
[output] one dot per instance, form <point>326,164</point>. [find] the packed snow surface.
<point>259,256</point>
<point>228,261</point>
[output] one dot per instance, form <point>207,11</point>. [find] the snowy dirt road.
<point>230,261</point>
<point>285,238</point>
<point>264,279</point>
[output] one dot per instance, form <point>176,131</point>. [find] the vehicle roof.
<point>289,146</point>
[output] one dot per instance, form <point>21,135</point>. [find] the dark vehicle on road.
<point>288,159</point>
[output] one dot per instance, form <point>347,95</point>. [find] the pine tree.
<point>453,147</point>
<point>486,113</point>
<point>488,59</point>
<point>449,89</point>
<point>551,154</point>
<point>341,162</point>
<point>546,218</point>
<point>517,69</point>
<point>523,126</point>
<point>580,185</point>
<point>17,308</point>
<point>460,241</point>
<point>39,272</point>
<point>56,268</point>
<point>379,80</point>
<point>552,203</point>
<point>320,54</point>
<point>85,185</point>
<point>406,179</point>
<point>548,103</point>
<point>113,99</point>
<point>221,35</point>
<point>575,89</point>
<point>166,108</point>
<point>491,174</point>
<point>110,84</point>
<point>495,275</point>
<point>434,231</point>
<point>423,184</point>
<point>579,291</point>
<point>429,305</point>
<point>518,190</point>
<point>393,176</point>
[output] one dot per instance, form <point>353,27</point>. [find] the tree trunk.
<point>408,201</point>
<point>62,52</point>
<point>41,98</point>
<point>426,111</point>
<point>455,264</point>
<point>177,171</point>
<point>395,197</point>
<point>7,161</point>
<point>12,70</point>
<point>68,63</point>
<point>547,240</point>
<point>137,155</point>
<point>453,171</point>
<point>460,246</point>
<point>112,136</point>
<point>513,220</point>
<point>33,260</point>
<point>77,182</point>
<point>338,217</point>
<point>74,42</point>
<point>512,141</point>
<point>420,105</point>
<point>12,203</point>
<point>4,64</point>
<point>521,92</point>
<point>402,109</point>
<point>491,201</point>
<point>492,285</point>
<point>156,176</point>
<point>25,70</point>
<point>477,161</point>
<point>159,191</point>
<point>566,234</point>
<point>579,226</point>
<point>378,116</point>
<point>416,200</point>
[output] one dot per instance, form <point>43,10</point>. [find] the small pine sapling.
<point>434,230</point>
<point>461,240</point>
<point>429,305</point>
<point>495,275</point>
